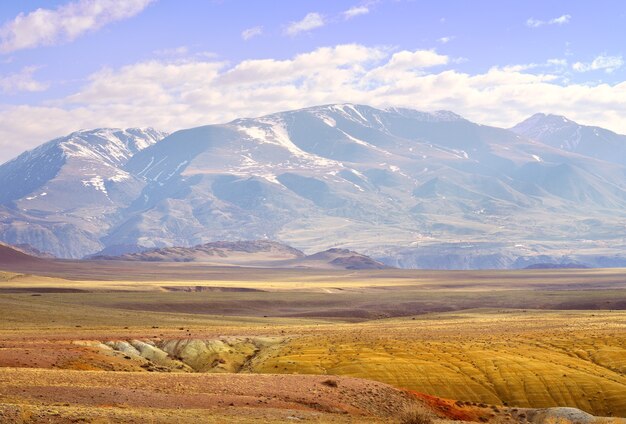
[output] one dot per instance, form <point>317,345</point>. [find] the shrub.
<point>415,414</point>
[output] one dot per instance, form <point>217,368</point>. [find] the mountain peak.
<point>565,134</point>
<point>542,120</point>
<point>540,126</point>
<point>110,144</point>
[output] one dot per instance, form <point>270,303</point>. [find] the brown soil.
<point>273,396</point>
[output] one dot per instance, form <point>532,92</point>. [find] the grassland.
<point>524,339</point>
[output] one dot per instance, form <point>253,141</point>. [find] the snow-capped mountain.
<point>55,196</point>
<point>97,154</point>
<point>412,188</point>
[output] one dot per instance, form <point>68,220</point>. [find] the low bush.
<point>416,415</point>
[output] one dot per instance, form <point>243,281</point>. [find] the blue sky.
<point>72,64</point>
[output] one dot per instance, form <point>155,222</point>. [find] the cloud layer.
<point>44,27</point>
<point>175,94</point>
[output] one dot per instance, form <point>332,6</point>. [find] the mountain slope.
<point>12,256</point>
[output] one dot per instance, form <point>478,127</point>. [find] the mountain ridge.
<point>403,186</point>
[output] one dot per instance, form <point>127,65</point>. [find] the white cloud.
<point>445,40</point>
<point>310,21</point>
<point>356,11</point>
<point>561,20</point>
<point>347,59</point>
<point>44,27</point>
<point>21,81</point>
<point>602,62</point>
<point>249,33</point>
<point>171,95</point>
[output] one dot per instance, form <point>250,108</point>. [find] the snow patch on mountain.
<point>119,176</point>
<point>364,143</point>
<point>97,183</point>
<point>350,112</point>
<point>274,131</point>
<point>327,119</point>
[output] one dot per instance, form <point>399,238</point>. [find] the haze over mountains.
<point>413,189</point>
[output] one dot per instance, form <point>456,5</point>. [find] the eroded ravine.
<point>220,355</point>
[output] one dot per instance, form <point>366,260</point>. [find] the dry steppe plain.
<point>129,342</point>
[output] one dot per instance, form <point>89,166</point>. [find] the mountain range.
<point>409,188</point>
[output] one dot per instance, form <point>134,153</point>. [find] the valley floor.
<point>316,346</point>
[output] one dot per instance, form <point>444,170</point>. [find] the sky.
<point>67,65</point>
